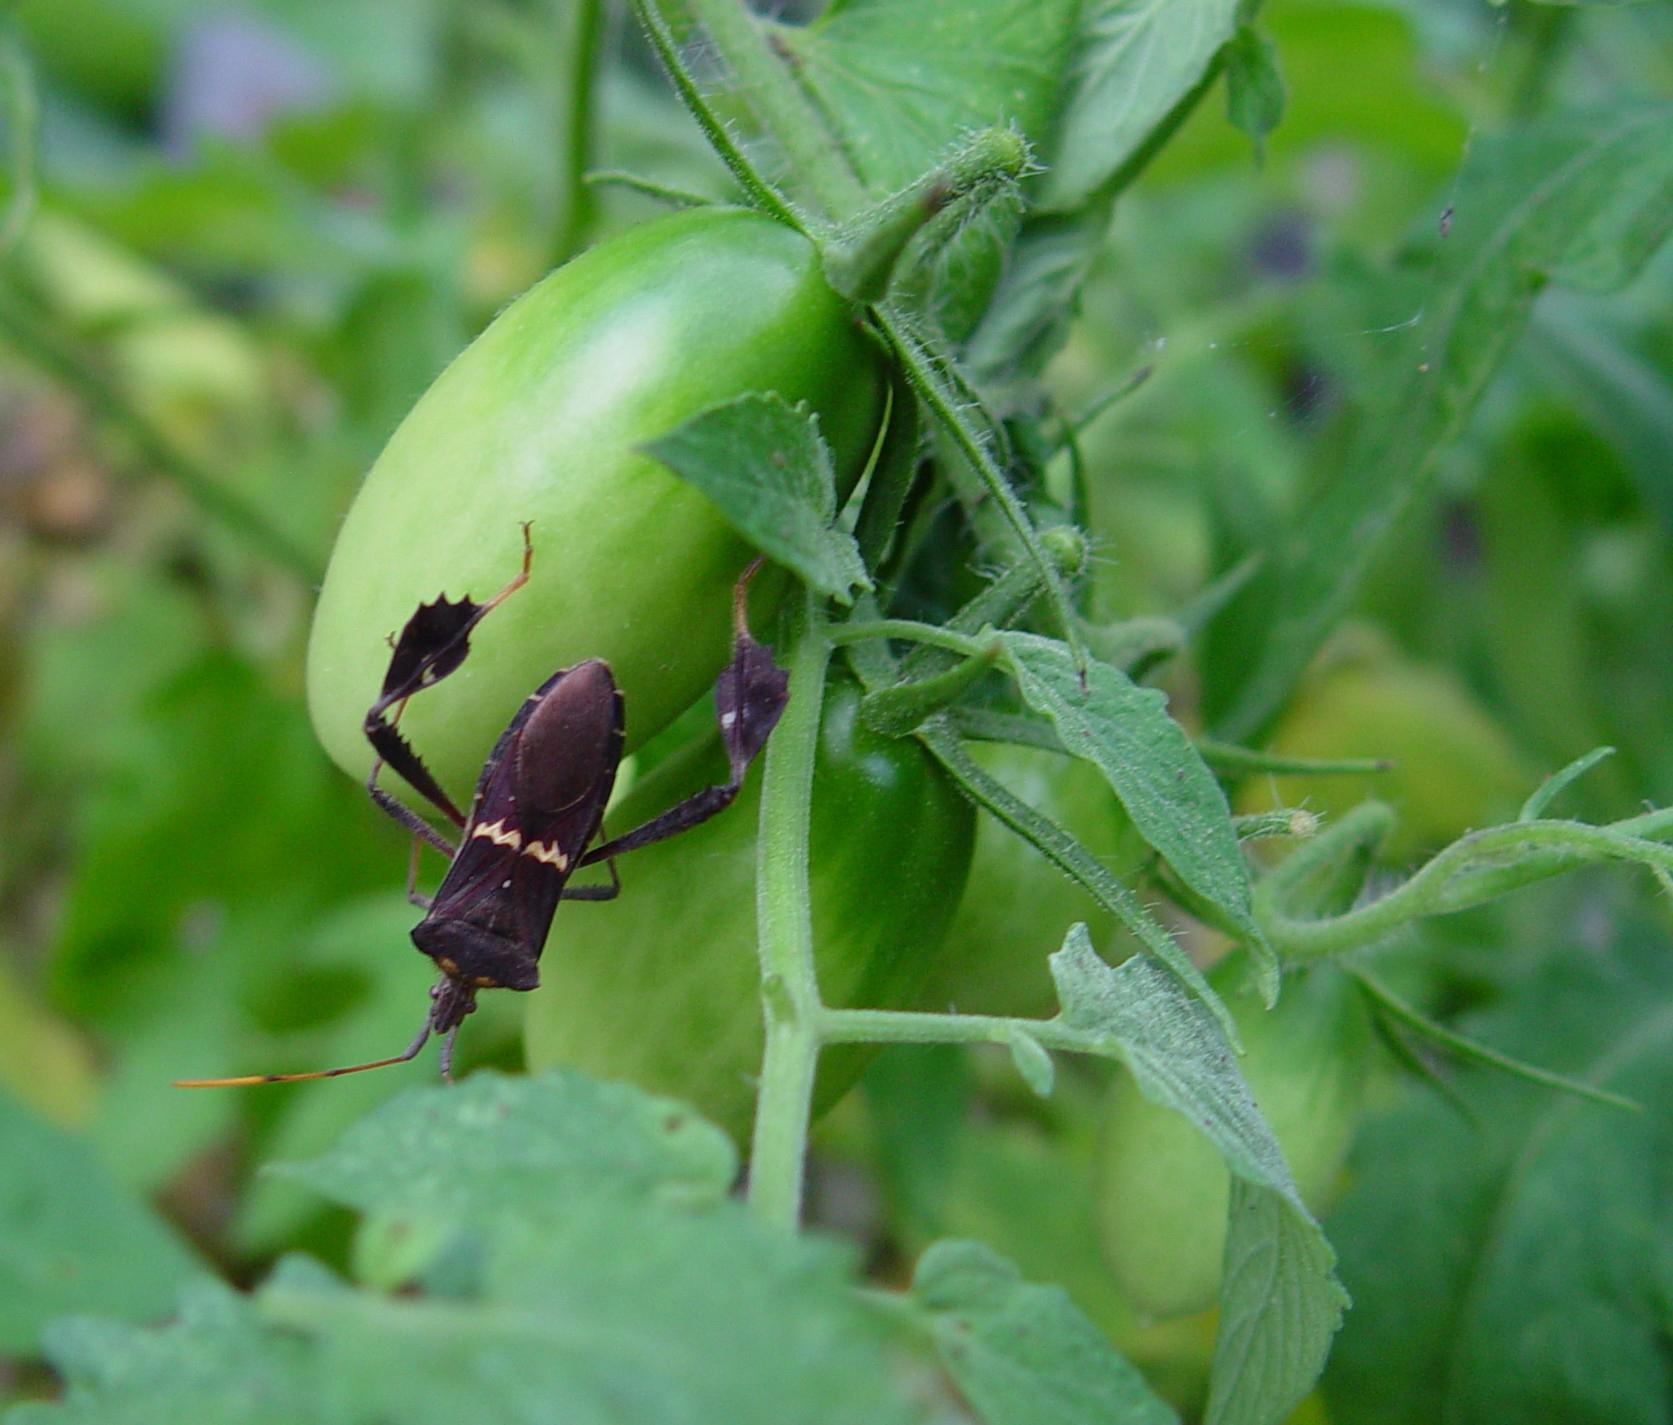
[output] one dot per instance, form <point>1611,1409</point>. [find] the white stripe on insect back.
<point>550,854</point>
<point>499,834</point>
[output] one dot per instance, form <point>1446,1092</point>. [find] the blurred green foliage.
<point>239,241</point>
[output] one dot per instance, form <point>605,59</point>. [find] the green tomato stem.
<point>906,629</point>
<point>1476,868</point>
<point>789,983</point>
<point>766,86</point>
<point>581,36</point>
<point>918,360</point>
<point>895,1026</point>
<point>861,259</point>
<point>655,28</point>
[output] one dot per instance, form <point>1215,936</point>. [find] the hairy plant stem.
<point>656,32</point>
<point>918,363</point>
<point>897,1026</point>
<point>766,85</point>
<point>1476,868</point>
<point>931,634</point>
<point>784,932</point>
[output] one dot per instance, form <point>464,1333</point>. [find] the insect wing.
<point>538,803</point>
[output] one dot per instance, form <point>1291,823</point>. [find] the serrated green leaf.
<point>1175,803</point>
<point>1254,87</point>
<point>1518,1267</point>
<point>1583,200</point>
<point>1175,1050</point>
<point>75,1240</point>
<point>1024,1354</point>
<point>763,464</point>
<point>1032,1060</point>
<point>1280,1307</point>
<point>1135,60</point>
<point>514,1146</point>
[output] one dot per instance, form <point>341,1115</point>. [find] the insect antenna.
<point>243,1080</point>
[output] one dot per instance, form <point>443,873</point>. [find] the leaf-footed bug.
<point>539,803</point>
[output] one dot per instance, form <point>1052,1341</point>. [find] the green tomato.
<point>1455,767</point>
<point>1163,1188</point>
<point>661,986</point>
<point>542,418</point>
<point>1018,906</point>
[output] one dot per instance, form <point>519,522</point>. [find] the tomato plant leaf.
<point>515,1144</point>
<point>763,464</point>
<point>1135,60</point>
<point>1580,200</point>
<point>1280,1302</point>
<point>1177,1053</point>
<point>607,1309</point>
<point>1175,803</point>
<point>76,1239</point>
<point>1280,1307</point>
<point>898,77</point>
<point>1025,1354</point>
<point>1517,1267</point>
<point>571,1254</point>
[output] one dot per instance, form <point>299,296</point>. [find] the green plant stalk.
<point>779,106</point>
<point>1455,879</point>
<point>758,190</point>
<point>916,362</point>
<point>789,983</point>
<point>898,711</point>
<point>1476,1053</point>
<point>934,635</point>
<point>1074,860</point>
<point>899,1026</point>
<point>581,41</point>
<point>39,344</point>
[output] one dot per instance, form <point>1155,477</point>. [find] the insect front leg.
<point>749,699</point>
<point>433,643</point>
<point>417,897</point>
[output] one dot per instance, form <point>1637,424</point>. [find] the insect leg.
<point>596,893</point>
<point>423,902</point>
<point>404,814</point>
<point>749,697</point>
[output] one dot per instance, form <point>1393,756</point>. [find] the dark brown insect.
<point>538,805</point>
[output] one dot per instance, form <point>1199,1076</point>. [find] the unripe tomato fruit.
<point>661,986</point>
<point>1162,1187</point>
<point>1018,906</point>
<point>541,419</point>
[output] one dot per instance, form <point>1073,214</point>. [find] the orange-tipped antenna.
<point>244,1080</point>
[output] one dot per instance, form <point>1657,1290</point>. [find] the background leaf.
<point>1025,1354</point>
<point>1135,60</point>
<point>1578,200</point>
<point>78,1241</point>
<point>1517,1267</point>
